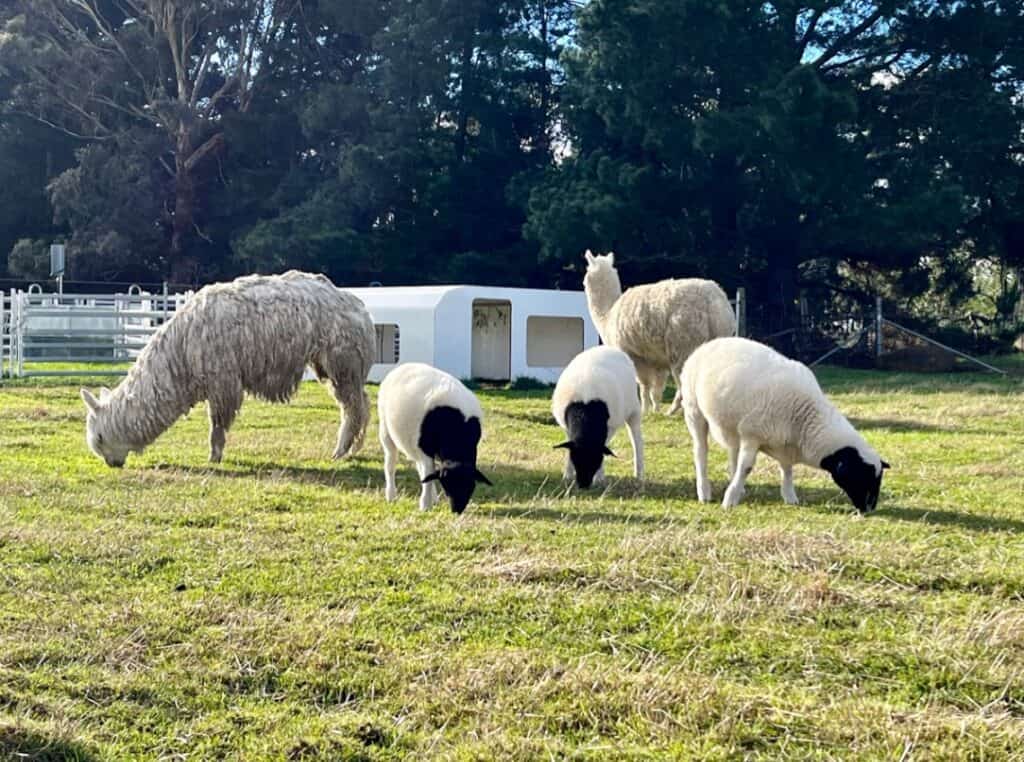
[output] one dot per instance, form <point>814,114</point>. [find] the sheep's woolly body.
<point>412,390</point>
<point>747,394</point>
<point>659,324</point>
<point>607,375</point>
<point>601,373</point>
<point>407,394</point>
<point>255,334</point>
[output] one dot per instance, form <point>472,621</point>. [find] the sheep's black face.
<point>458,482</point>
<point>861,481</point>
<point>586,461</point>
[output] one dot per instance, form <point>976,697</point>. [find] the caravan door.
<point>492,340</point>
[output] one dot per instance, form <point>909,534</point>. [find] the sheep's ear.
<point>481,478</point>
<point>431,477</point>
<point>589,255</point>
<point>611,258</point>
<point>90,401</point>
<point>608,451</point>
<point>566,445</point>
<point>885,465</point>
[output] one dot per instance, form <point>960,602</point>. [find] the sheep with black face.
<point>596,395</point>
<point>434,420</point>
<point>752,399</point>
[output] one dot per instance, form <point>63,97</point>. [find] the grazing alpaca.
<point>255,334</point>
<point>658,325</point>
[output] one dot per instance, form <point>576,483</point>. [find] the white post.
<point>879,322</point>
<point>741,311</point>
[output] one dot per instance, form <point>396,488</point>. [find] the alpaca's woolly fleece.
<point>659,324</point>
<point>751,398</point>
<point>255,334</point>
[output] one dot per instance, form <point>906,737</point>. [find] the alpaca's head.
<point>602,279</point>
<point>99,431</point>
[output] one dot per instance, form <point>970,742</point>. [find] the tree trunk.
<point>183,268</point>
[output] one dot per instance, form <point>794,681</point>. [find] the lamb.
<point>753,399</point>
<point>595,395</point>
<point>255,334</point>
<point>658,325</point>
<point>435,421</point>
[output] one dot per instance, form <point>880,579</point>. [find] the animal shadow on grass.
<point>970,521</point>
<point>349,474</point>
<point>21,743</point>
<point>907,426</point>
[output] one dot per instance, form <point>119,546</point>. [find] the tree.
<point>119,72</point>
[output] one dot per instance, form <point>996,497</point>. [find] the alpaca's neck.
<point>147,403</point>
<point>602,294</point>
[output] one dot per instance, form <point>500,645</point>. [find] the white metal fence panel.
<point>48,329</point>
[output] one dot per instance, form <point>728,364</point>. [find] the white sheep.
<point>752,399</point>
<point>594,397</point>
<point>436,422</point>
<point>658,325</point>
<point>255,334</point>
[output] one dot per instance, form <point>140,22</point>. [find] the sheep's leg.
<point>698,426</point>
<point>734,451</point>
<point>569,472</point>
<point>428,490</point>
<point>390,463</point>
<point>645,395</point>
<point>636,439</point>
<point>744,465</point>
<point>221,410</point>
<point>788,491</point>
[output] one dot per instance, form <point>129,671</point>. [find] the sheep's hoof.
<point>215,457</point>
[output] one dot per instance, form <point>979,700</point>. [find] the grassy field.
<point>274,607</point>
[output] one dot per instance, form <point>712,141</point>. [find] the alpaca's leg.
<point>698,426</point>
<point>788,490</point>
<point>744,465</point>
<point>677,401</point>
<point>390,463</point>
<point>221,410</point>
<point>428,490</point>
<point>347,388</point>
<point>636,439</point>
<point>658,389</point>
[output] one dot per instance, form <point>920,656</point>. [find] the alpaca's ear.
<point>611,258</point>
<point>104,393</point>
<point>90,401</point>
<point>589,256</point>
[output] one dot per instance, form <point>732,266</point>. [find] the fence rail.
<point>41,329</point>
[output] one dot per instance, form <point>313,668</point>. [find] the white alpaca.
<point>435,421</point>
<point>752,399</point>
<point>255,334</point>
<point>594,398</point>
<point>658,325</point>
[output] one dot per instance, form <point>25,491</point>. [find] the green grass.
<point>274,607</point>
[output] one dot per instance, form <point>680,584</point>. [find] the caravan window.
<point>551,342</point>
<point>388,344</point>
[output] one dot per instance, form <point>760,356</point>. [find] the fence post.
<point>879,322</point>
<point>165,301</point>
<point>741,311</point>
